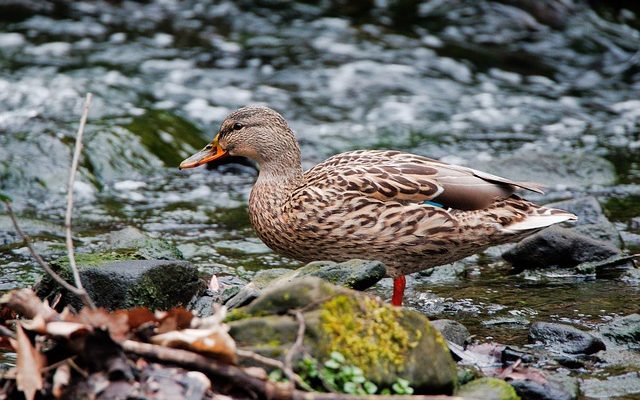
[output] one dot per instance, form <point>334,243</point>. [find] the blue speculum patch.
<point>433,203</point>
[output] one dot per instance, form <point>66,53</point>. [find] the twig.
<point>81,293</point>
<point>272,362</point>
<point>297,345</point>
<point>72,178</point>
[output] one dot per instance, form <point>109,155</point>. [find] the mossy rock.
<point>354,274</point>
<point>386,342</point>
<point>156,284</point>
<point>488,389</point>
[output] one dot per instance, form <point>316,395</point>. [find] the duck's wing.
<point>393,175</point>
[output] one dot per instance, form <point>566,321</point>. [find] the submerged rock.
<point>626,386</point>
<point>557,247</point>
<point>565,338</point>
<point>592,221</point>
<point>385,342</point>
<point>487,389</point>
<point>156,284</point>
<point>354,274</point>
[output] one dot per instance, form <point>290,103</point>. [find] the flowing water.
<point>544,91</point>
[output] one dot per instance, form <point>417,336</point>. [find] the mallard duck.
<point>408,211</point>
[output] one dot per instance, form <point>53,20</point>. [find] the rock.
<point>134,243</point>
<point>443,273</point>
<point>354,274</point>
<point>555,387</point>
<point>565,338</point>
<point>630,240</point>
<point>592,221</point>
<point>385,342</point>
<point>621,386</point>
<point>156,284</point>
<point>557,247</point>
<point>622,330</point>
<point>487,389</point>
<point>252,290</point>
<point>452,331</point>
<point>228,287</point>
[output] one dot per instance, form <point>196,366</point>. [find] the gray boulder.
<point>564,338</point>
<point>557,247</point>
<point>451,330</point>
<point>591,219</point>
<point>156,284</point>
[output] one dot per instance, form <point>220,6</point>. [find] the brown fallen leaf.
<point>138,316</point>
<point>216,342</point>
<point>29,364</point>
<point>174,319</point>
<point>115,323</point>
<point>67,330</point>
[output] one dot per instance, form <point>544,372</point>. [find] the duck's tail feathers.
<point>538,221</point>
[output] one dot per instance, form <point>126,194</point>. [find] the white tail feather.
<point>540,221</point>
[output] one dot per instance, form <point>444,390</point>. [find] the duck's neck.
<point>278,177</point>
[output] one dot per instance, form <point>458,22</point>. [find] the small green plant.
<point>334,375</point>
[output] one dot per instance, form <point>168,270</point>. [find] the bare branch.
<point>81,293</point>
<point>272,362</point>
<point>297,346</point>
<point>72,177</point>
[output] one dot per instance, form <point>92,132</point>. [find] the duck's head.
<point>258,133</point>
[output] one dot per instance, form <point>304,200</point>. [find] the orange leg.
<point>399,284</point>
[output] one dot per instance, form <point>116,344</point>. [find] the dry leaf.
<point>174,319</point>
<point>138,316</point>
<point>216,342</point>
<point>61,379</point>
<point>115,323</point>
<point>29,364</point>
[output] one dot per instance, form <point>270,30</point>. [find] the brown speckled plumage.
<point>370,204</point>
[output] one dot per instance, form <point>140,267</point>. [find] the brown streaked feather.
<point>393,175</point>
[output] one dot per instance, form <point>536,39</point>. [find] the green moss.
<point>366,332</point>
<point>488,388</point>
<point>155,125</point>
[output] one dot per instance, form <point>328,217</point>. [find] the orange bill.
<point>211,152</point>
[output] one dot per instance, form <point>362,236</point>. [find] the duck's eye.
<point>237,126</point>
<point>208,147</point>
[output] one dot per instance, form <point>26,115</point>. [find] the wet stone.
<point>139,245</point>
<point>564,338</point>
<point>452,331</point>
<point>156,284</point>
<point>625,386</point>
<point>487,389</point>
<point>354,274</point>
<point>554,387</point>
<point>622,330</point>
<point>557,247</point>
<point>592,221</point>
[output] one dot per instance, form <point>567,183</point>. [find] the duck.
<point>408,211</point>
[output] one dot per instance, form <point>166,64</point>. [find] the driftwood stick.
<point>72,178</point>
<point>81,293</point>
